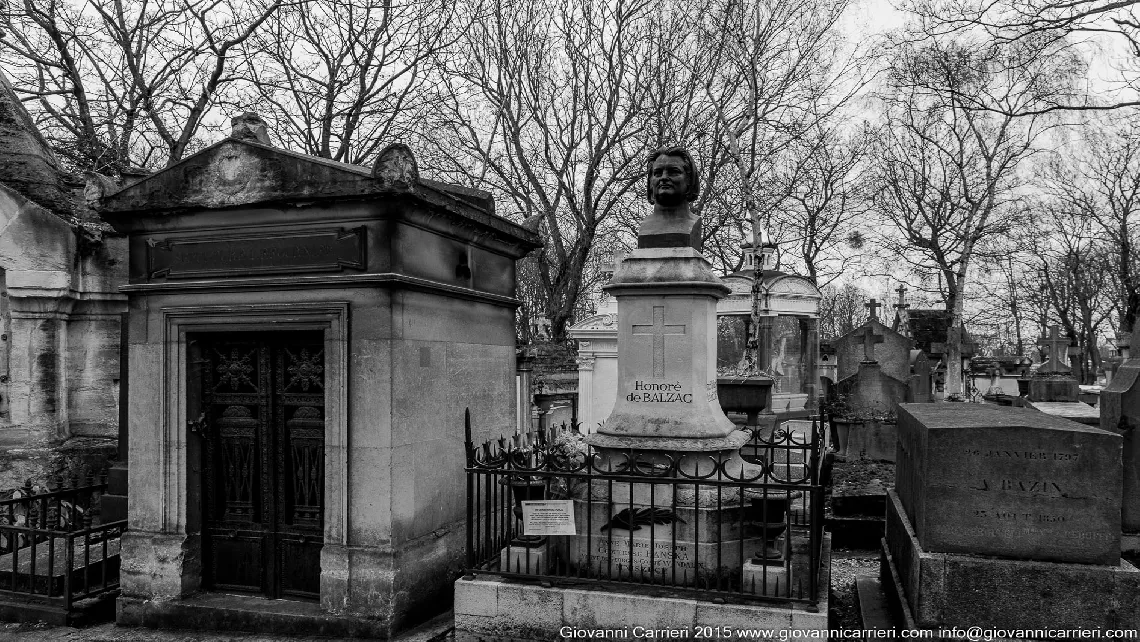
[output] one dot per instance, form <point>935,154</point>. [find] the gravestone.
<point>921,381</point>
<point>1054,380</point>
<point>996,507</point>
<point>891,350</point>
<point>871,395</point>
<point>1120,414</point>
<point>1053,389</point>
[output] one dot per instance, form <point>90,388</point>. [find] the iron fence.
<point>746,524</point>
<point>54,547</point>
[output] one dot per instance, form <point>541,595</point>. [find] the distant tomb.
<point>1053,389</point>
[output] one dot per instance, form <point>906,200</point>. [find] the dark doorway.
<point>261,408</point>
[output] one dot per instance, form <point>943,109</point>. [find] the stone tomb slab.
<point>1077,411</point>
<point>1009,482</point>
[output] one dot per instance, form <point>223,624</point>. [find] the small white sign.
<point>553,517</point>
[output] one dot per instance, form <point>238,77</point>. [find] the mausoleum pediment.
<point>244,172</point>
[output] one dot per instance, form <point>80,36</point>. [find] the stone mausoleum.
<point>60,310</point>
<point>304,337</point>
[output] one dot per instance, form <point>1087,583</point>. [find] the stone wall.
<point>61,326</point>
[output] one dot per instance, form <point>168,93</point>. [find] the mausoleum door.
<point>263,461</point>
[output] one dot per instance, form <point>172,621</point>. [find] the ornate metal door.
<point>263,461</point>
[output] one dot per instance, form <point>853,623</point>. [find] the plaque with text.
<point>551,517</point>
<point>286,252</point>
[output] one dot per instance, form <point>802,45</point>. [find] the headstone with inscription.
<point>667,413</point>
<point>1120,414</point>
<point>996,507</point>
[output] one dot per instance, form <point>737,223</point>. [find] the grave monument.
<point>1053,389</point>
<point>1120,414</point>
<point>1007,518</point>
<point>666,419</point>
<point>667,408</point>
<point>304,337</point>
<point>872,389</point>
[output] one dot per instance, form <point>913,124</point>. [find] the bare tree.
<point>841,310</point>
<point>1097,179</point>
<point>948,173</point>
<point>1063,32</point>
<point>343,78</point>
<point>821,214</point>
<point>547,107</point>
<point>113,80</point>
<point>1069,259</point>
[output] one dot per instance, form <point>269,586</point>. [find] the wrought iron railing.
<point>747,526</point>
<point>54,547</point>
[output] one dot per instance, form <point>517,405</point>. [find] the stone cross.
<point>902,296</point>
<point>873,306</point>
<point>658,331</point>
<point>1058,348</point>
<point>867,334</point>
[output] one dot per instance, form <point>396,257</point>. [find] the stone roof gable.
<point>27,164</point>
<point>243,172</point>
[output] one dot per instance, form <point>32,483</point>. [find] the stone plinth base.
<point>765,579</point>
<point>956,590</point>
<point>522,559</point>
<point>497,609</point>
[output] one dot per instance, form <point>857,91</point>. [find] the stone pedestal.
<point>525,559</point>
<point>667,421</point>
<point>765,579</point>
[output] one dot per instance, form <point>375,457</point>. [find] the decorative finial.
<point>250,126</point>
<point>396,167</point>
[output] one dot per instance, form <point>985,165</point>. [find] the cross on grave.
<point>1058,347</point>
<point>873,306</point>
<point>902,297</point>
<point>867,334</point>
<point>658,331</point>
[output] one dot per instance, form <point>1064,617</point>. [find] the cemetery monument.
<point>1007,518</point>
<point>666,418</point>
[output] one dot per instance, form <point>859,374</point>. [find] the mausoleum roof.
<point>243,172</point>
<point>27,164</point>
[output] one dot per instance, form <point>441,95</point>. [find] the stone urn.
<point>750,395</point>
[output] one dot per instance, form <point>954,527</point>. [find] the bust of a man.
<point>672,183</point>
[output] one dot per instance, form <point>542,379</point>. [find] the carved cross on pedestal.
<point>1058,349</point>
<point>658,331</point>
<point>902,297</point>
<point>873,306</point>
<point>867,334</point>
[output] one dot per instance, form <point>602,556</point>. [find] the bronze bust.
<point>671,184</point>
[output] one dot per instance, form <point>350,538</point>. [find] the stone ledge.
<point>504,609</point>
<point>218,612</point>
